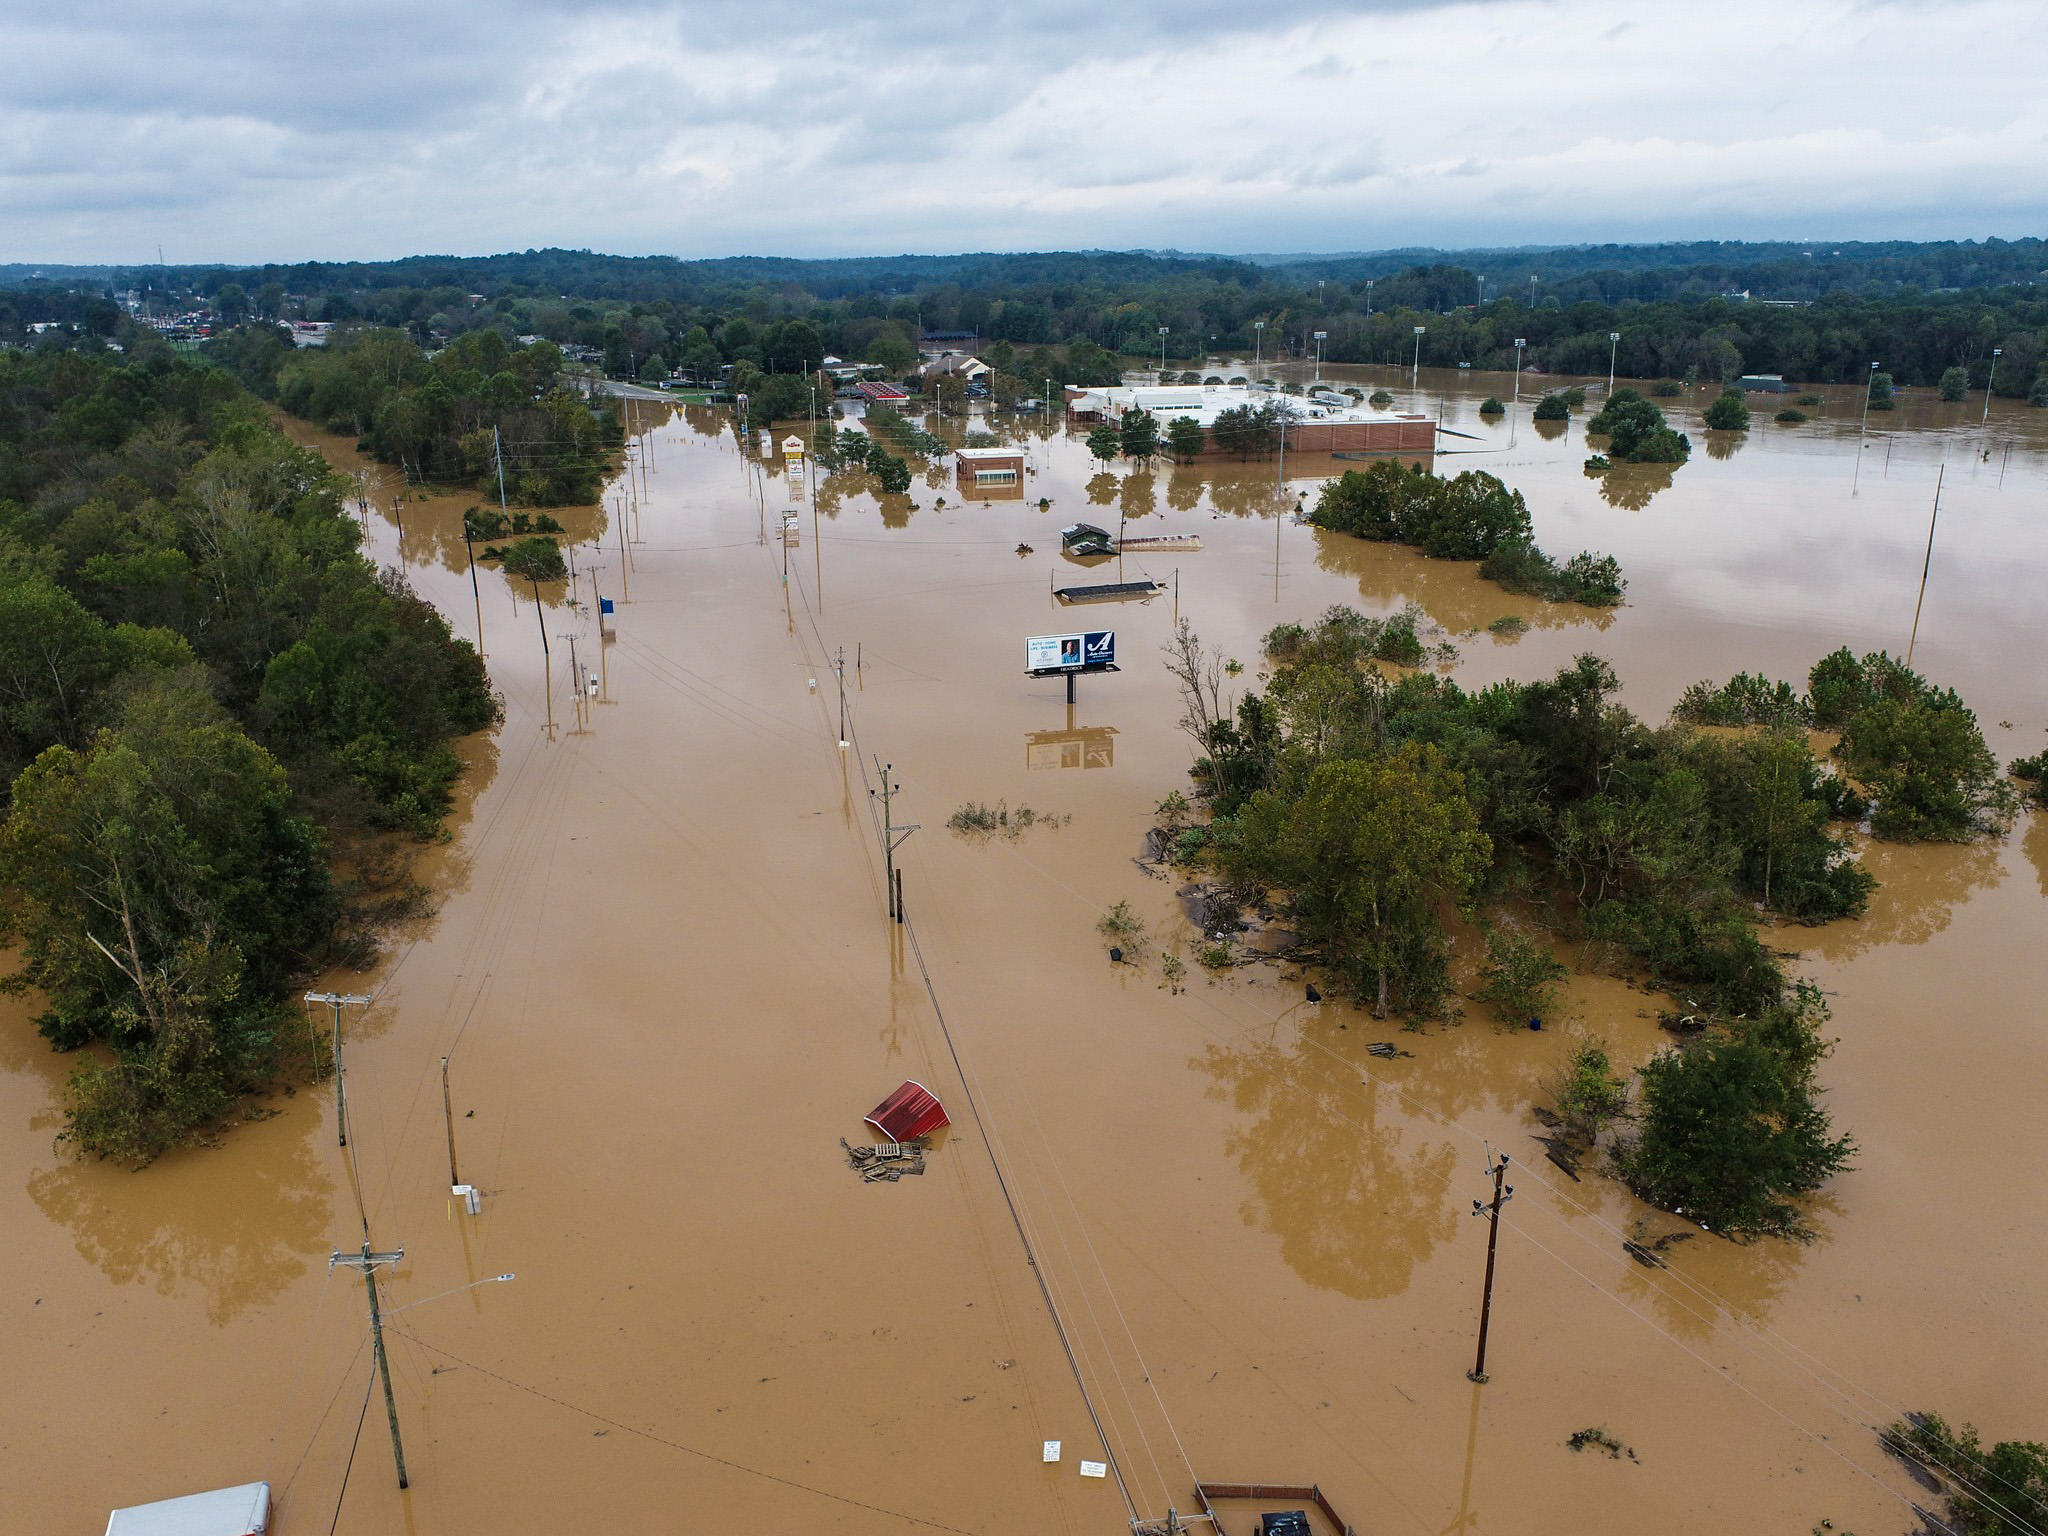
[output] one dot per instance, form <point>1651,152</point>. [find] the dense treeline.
<point>1919,310</point>
<point>474,409</point>
<point>1373,806</point>
<point>206,696</point>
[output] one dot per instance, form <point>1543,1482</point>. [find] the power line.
<point>677,1445</point>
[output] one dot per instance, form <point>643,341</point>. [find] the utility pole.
<point>475,591</point>
<point>839,667</point>
<point>625,584</point>
<point>367,1262</point>
<point>891,842</point>
<point>335,1000</point>
<point>448,1115</point>
<point>498,453</point>
<point>604,671</point>
<point>576,680</point>
<point>1501,1196</point>
<point>1925,566</point>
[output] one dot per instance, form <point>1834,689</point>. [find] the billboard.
<point>1094,651</point>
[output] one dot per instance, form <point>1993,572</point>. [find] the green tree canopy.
<point>1365,854</point>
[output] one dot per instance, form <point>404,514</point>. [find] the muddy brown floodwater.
<point>664,974</point>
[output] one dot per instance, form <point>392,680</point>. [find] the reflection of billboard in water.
<point>1088,746</point>
<point>1071,653</point>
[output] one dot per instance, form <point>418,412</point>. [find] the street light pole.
<point>1320,336</point>
<point>1162,352</point>
<point>1258,341</point>
<point>1996,353</point>
<point>1613,349</point>
<point>1415,372</point>
<point>1520,342</point>
<point>1368,296</point>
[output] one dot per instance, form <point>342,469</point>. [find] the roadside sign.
<point>1091,651</point>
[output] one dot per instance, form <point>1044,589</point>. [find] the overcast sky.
<point>251,130</point>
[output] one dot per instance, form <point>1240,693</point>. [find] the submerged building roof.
<point>1203,403</point>
<point>243,1511</point>
<point>911,1111</point>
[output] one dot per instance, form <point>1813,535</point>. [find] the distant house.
<point>949,338</point>
<point>1763,383</point>
<point>956,365</point>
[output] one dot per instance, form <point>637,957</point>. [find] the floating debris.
<point>888,1161</point>
<point>1599,1438</point>
<point>1386,1050</point>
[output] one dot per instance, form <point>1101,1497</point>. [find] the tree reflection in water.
<point>1918,889</point>
<point>239,1223</point>
<point>2036,845</point>
<point>1630,486</point>
<point>1725,445</point>
<point>1138,495</point>
<point>1356,1204</point>
<point>1102,489</point>
<point>1184,488</point>
<point>1451,591</point>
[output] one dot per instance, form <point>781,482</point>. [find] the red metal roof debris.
<point>909,1112</point>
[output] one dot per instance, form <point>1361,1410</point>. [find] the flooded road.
<point>664,975</point>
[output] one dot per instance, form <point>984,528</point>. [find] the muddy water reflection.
<point>1919,890</point>
<point>2035,843</point>
<point>238,1235</point>
<point>1356,1201</point>
<point>1389,575</point>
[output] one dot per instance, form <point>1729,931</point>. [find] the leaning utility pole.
<point>891,842</point>
<point>367,1262</point>
<point>475,591</point>
<point>335,1000</point>
<point>1501,1196</point>
<point>448,1115</point>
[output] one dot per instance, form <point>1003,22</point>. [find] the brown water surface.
<point>664,975</point>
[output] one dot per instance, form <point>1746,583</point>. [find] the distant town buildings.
<point>1323,423</point>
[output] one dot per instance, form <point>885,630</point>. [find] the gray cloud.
<point>250,130</point>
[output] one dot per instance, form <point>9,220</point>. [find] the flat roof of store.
<point>1205,402</point>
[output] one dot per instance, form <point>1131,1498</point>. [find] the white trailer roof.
<point>243,1511</point>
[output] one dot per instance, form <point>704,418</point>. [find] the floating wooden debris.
<point>887,1161</point>
<point>1110,592</point>
<point>1386,1050</point>
<point>1649,1251</point>
<point>1188,542</point>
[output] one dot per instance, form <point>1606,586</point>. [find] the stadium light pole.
<point>1162,350</point>
<point>1520,342</point>
<point>1415,371</point>
<point>1996,353</point>
<point>1320,337</point>
<point>1482,294</point>
<point>1368,296</point>
<point>1258,341</point>
<point>1613,349</point>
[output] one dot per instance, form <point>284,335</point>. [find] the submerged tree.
<point>1730,1131</point>
<point>1366,853</point>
